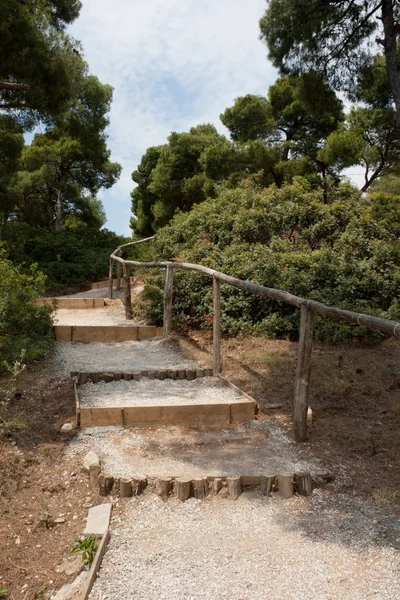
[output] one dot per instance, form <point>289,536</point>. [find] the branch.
<point>14,87</point>
<point>342,45</point>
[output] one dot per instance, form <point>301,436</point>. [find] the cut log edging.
<point>284,485</point>
<point>108,376</point>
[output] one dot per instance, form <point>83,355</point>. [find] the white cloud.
<point>172,64</point>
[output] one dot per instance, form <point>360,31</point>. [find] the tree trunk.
<point>59,207</point>
<point>390,29</point>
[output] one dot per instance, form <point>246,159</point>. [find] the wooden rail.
<point>308,309</point>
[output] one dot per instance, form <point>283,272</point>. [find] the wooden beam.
<point>216,326</point>
<point>128,297</point>
<point>118,287</point>
<point>110,279</point>
<point>303,374</point>
<point>169,282</point>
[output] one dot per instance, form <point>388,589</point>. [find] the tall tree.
<point>63,169</point>
<point>171,178</point>
<point>292,124</point>
<point>335,38</point>
<point>369,138</point>
<point>40,65</point>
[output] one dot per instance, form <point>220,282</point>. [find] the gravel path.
<point>100,293</point>
<point>117,356</point>
<point>111,315</point>
<point>153,392</point>
<point>252,549</point>
<point>252,448</point>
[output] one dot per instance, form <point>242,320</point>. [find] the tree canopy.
<point>335,38</point>
<point>40,66</point>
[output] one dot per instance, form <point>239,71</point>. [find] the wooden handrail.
<point>308,309</point>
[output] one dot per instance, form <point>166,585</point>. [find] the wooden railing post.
<point>118,287</point>
<point>127,287</point>
<point>169,282</point>
<point>110,279</point>
<point>216,326</point>
<point>303,374</point>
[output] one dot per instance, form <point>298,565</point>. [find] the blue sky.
<point>173,64</point>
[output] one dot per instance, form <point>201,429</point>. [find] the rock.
<point>98,520</point>
<point>91,460</point>
<point>72,591</point>
<point>70,565</point>
<point>60,520</point>
<point>66,428</point>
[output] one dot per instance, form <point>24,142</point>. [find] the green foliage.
<point>87,548</point>
<point>170,178</point>
<point>343,253</point>
<point>25,329</point>
<point>327,37</point>
<point>10,422</point>
<point>41,65</point>
<point>69,258</point>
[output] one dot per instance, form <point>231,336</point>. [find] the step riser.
<point>105,333</point>
<point>149,416</point>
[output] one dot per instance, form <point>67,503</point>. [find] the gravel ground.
<point>100,293</point>
<point>154,392</point>
<point>252,448</point>
<point>117,356</point>
<point>251,549</point>
<point>111,315</point>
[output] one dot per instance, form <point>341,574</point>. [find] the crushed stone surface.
<point>109,315</point>
<point>252,549</point>
<point>251,448</point>
<point>153,392</point>
<point>153,354</point>
<point>97,293</point>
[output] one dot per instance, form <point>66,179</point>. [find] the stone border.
<point>105,333</point>
<point>158,415</point>
<point>94,569</point>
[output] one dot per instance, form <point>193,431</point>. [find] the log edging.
<point>222,486</point>
<point>108,376</point>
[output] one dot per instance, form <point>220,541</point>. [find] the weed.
<point>87,548</point>
<point>7,392</point>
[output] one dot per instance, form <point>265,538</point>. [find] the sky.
<point>173,64</point>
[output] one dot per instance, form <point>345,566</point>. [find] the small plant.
<point>3,592</point>
<point>7,392</point>
<point>87,548</point>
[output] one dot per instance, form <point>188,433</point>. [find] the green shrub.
<point>345,253</point>
<point>24,327</point>
<point>69,258</point>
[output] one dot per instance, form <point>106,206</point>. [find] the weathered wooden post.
<point>169,282</point>
<point>110,279</point>
<point>118,286</point>
<point>303,374</point>
<point>127,286</point>
<point>216,326</point>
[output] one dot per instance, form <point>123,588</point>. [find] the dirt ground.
<point>355,398</point>
<point>37,486</point>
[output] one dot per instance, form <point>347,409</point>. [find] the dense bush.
<point>345,253</point>
<point>25,329</point>
<point>68,258</point>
